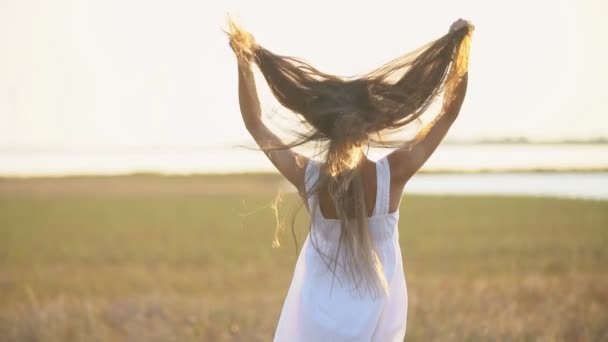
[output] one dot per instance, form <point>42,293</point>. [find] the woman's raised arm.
<point>289,163</point>
<point>406,160</point>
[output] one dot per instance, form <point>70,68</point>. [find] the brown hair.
<point>344,113</point>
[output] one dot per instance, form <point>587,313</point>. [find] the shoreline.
<point>272,174</point>
<point>489,184</point>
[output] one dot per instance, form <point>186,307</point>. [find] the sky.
<point>160,73</point>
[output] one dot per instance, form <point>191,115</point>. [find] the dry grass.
<point>151,258</point>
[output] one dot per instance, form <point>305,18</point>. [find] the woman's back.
<point>369,178</point>
<point>319,307</point>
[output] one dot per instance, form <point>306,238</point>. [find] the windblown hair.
<point>344,113</point>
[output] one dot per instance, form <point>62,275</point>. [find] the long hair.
<point>344,113</point>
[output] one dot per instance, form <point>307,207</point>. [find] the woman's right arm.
<point>289,163</point>
<point>406,160</point>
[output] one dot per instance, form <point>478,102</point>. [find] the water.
<point>37,162</point>
<point>588,185</point>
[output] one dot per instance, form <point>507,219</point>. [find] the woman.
<point>349,283</point>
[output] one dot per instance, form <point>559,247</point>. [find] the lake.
<point>448,157</point>
<point>589,185</point>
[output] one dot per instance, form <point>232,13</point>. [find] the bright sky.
<point>117,73</point>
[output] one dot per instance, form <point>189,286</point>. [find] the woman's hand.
<point>460,24</point>
<point>242,44</point>
<point>461,59</point>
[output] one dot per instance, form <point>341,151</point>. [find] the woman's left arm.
<point>289,163</point>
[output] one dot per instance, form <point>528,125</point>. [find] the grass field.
<point>190,258</point>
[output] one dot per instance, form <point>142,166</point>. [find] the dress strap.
<point>383,186</point>
<point>311,174</point>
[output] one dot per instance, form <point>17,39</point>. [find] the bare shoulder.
<point>397,182</point>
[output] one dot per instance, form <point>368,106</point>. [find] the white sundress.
<point>313,313</point>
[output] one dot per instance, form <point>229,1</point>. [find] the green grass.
<point>160,258</point>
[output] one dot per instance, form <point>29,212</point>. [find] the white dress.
<point>313,313</point>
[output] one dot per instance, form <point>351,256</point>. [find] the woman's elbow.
<point>252,125</point>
